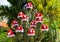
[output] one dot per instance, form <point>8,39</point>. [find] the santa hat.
<point>29,5</point>
<point>14,23</point>
<point>10,33</point>
<point>44,27</point>
<point>38,15</point>
<point>33,23</point>
<point>19,29</point>
<point>39,20</point>
<point>25,18</point>
<point>20,14</point>
<point>31,32</point>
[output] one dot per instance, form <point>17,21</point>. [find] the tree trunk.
<point>25,31</point>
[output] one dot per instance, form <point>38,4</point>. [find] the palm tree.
<point>17,6</point>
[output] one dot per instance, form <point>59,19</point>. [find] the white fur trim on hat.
<point>32,25</point>
<point>31,34</point>
<point>44,29</point>
<point>24,19</point>
<point>19,16</point>
<point>29,7</point>
<point>20,30</point>
<point>14,25</point>
<point>11,35</point>
<point>39,21</point>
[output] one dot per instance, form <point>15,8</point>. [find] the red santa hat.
<point>20,14</point>
<point>33,23</point>
<point>31,32</point>
<point>25,18</point>
<point>19,29</point>
<point>38,15</point>
<point>44,27</point>
<point>14,23</point>
<point>10,33</point>
<point>39,20</point>
<point>29,5</point>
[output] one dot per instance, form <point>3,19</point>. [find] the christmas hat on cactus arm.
<point>44,27</point>
<point>20,14</point>
<point>14,23</point>
<point>38,15</point>
<point>29,5</point>
<point>19,29</point>
<point>25,18</point>
<point>10,33</point>
<point>33,23</point>
<point>39,20</point>
<point>31,32</point>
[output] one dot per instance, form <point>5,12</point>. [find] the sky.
<point>4,2</point>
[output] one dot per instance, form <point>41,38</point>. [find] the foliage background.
<point>49,8</point>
